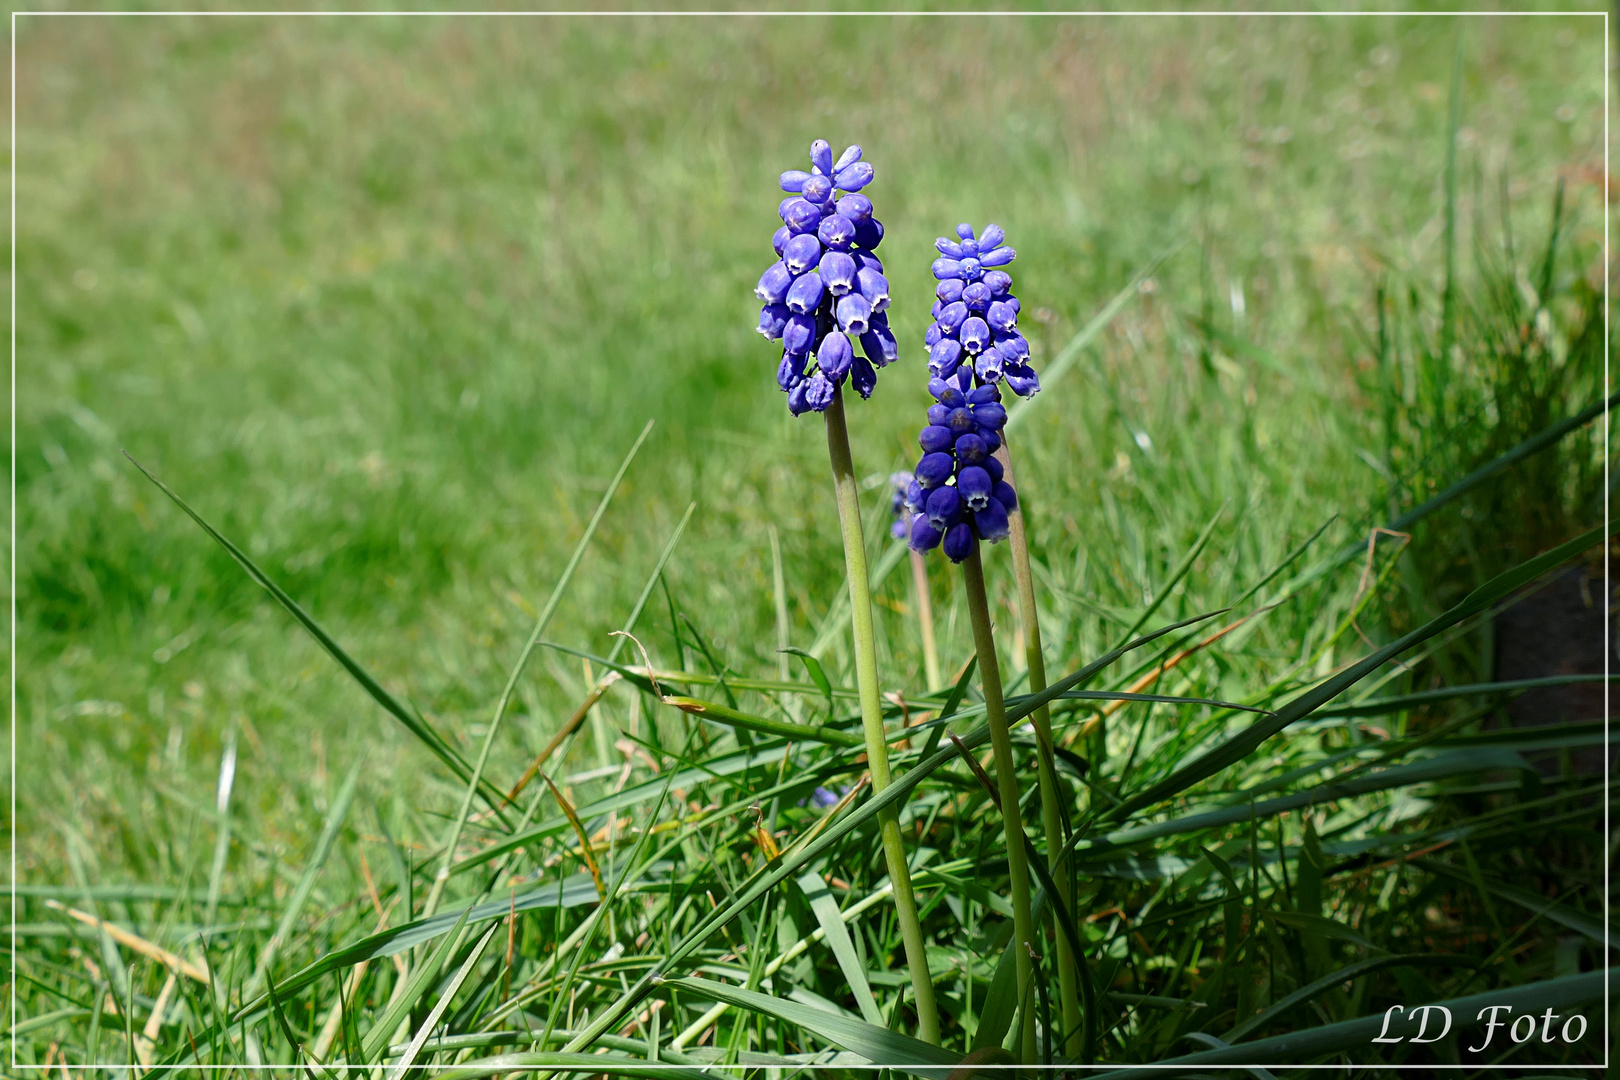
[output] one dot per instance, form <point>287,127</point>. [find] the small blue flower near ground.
<point>957,492</point>
<point>826,292</point>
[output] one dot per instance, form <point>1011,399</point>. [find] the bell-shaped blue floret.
<point>936,438</point>
<point>857,208</point>
<point>869,233</point>
<point>944,356</point>
<point>983,395</point>
<point>944,508</point>
<point>836,231</point>
<point>991,521</point>
<point>975,485</point>
<point>851,154</point>
<point>801,253</point>
<point>948,248</point>
<point>862,377</point>
<point>879,343</point>
<point>965,231</point>
<point>874,286</point>
<point>804,295</point>
<point>998,282</point>
<point>924,537</point>
<point>790,372</point>
<point>834,356</point>
<point>959,542</point>
<point>1003,493</point>
<point>970,449</point>
<point>960,421</point>
<point>853,314</point>
<point>974,335</point>
<point>774,284</point>
<point>1022,380</point>
<point>772,319</point>
<point>993,467</point>
<point>837,272</point>
<point>934,469</point>
<point>977,297</point>
<point>799,334</point>
<point>819,392</point>
<point>779,241</point>
<point>990,415</point>
<point>1002,317</point>
<point>801,215</point>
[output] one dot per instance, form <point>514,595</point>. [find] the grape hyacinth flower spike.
<point>826,292</point>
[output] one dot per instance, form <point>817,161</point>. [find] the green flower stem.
<point>1041,719</point>
<point>925,620</point>
<point>877,750</point>
<point>1007,781</point>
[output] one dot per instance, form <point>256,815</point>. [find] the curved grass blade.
<point>1338,978</point>
<point>877,1044</point>
<point>1166,699</point>
<point>1245,742</point>
<point>836,935</point>
<point>786,729</point>
<point>415,724</point>
<point>1384,706</point>
<point>1558,912</point>
<point>432,1019</point>
<point>579,830</point>
<point>421,981</point>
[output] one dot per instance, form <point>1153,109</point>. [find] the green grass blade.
<point>1163,592</point>
<point>836,935</point>
<point>432,1019</point>
<point>764,725</point>
<point>413,723</point>
<point>306,880</point>
<point>1385,706</point>
<point>558,1062</point>
<point>1558,912</point>
<point>421,980</point>
<point>873,1042</point>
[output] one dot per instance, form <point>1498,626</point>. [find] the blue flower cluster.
<point>900,504</point>
<point>957,492</point>
<point>976,314</point>
<point>827,290</point>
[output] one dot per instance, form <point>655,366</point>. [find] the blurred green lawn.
<point>388,298</point>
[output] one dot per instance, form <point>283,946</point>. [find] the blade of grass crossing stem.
<point>1099,322</point>
<point>1046,766</point>
<point>432,1021</point>
<point>306,880</point>
<point>1024,940</point>
<point>413,723</point>
<point>454,835</point>
<point>797,857</point>
<point>1242,744</point>
<point>421,980</point>
<point>836,935</point>
<point>877,749</point>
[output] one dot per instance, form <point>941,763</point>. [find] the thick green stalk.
<point>1051,812</point>
<point>877,749</point>
<point>925,620</point>
<point>1007,781</point>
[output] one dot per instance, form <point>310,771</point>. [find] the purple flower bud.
<point>959,542</point>
<point>934,469</point>
<point>970,249</point>
<point>851,154</point>
<point>949,290</point>
<point>834,356</point>
<point>801,253</point>
<point>790,372</point>
<point>793,180</point>
<point>974,335</point>
<point>853,312</point>
<point>999,282</point>
<point>924,537</point>
<point>1013,347</point>
<point>975,485</point>
<point>933,335</point>
<point>1001,256</point>
<point>1003,493</point>
<point>993,467</point>
<point>935,439</point>
<point>799,398</point>
<point>965,231</point>
<point>822,799</point>
<point>943,508</point>
<point>774,283</point>
<point>949,396</point>
<point>836,231</point>
<point>874,286</point>
<point>854,177</point>
<point>1001,317</point>
<point>947,268</point>
<point>977,298</point>
<point>799,334</point>
<point>993,235</point>
<point>948,248</point>
<point>944,357</point>
<point>952,316</point>
<point>990,415</point>
<point>879,343</point>
<point>819,391</point>
<point>855,207</point>
<point>772,319</point>
<point>960,421</point>
<point>970,449</point>
<point>862,377</point>
<point>983,395</point>
<point>779,241</point>
<point>804,295</point>
<point>914,494</point>
<point>837,272</point>
<point>869,233</point>
<point>937,414</point>
<point>865,260</point>
<point>969,269</point>
<point>1022,380</point>
<point>821,157</point>
<point>801,215</point>
<point>817,188</point>
<point>991,521</point>
<point>992,440</point>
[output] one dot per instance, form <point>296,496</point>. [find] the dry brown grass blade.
<point>568,729</point>
<point>584,838</point>
<point>1141,685</point>
<point>134,941</point>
